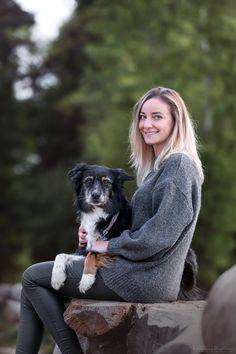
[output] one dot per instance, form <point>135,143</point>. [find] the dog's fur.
<point>188,287</point>
<point>104,213</point>
<point>102,210</point>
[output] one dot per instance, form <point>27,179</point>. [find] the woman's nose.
<point>147,123</point>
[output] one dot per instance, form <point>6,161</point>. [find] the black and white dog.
<point>104,212</point>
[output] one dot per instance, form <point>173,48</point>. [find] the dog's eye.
<point>106,181</point>
<point>88,180</point>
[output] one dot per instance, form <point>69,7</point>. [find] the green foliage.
<point>106,56</point>
<point>49,214</point>
<point>214,239</point>
<point>141,45</point>
<point>12,138</point>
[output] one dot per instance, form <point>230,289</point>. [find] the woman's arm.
<point>172,213</point>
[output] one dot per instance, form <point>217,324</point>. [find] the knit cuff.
<point>113,247</point>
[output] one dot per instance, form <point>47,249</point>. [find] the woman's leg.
<point>30,328</point>
<point>42,304</point>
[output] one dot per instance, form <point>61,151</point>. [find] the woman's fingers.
<point>82,236</point>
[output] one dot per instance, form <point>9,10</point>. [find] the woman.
<point>150,256</point>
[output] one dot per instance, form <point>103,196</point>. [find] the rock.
<point>93,318</point>
<point>176,348</point>
<point>219,315</point>
<point>11,311</point>
<point>10,301</point>
<point>7,350</point>
<point>15,292</point>
<point>4,292</point>
<point>106,327</point>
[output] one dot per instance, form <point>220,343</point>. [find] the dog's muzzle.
<point>96,198</point>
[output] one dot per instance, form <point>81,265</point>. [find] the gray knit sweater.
<point>150,256</point>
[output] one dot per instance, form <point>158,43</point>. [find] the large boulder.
<point>10,301</point>
<point>219,315</point>
<point>4,292</point>
<point>105,327</point>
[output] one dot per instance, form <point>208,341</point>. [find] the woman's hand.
<point>100,246</point>
<point>82,237</point>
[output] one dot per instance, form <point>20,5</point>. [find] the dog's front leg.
<point>62,260</point>
<point>89,273</point>
<point>91,264</point>
<point>59,271</point>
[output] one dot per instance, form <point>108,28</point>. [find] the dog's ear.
<point>77,171</point>
<point>123,175</point>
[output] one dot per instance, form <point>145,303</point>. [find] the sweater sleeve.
<point>172,213</point>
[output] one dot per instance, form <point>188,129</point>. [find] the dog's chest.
<point>89,223</point>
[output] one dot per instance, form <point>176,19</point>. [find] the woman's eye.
<point>142,116</point>
<point>157,117</point>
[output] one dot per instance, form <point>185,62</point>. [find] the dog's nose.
<point>95,195</point>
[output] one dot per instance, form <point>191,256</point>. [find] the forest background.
<point>83,87</point>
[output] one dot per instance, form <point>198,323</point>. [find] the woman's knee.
<point>36,274</point>
<point>28,277</point>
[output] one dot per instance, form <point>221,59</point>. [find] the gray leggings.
<point>41,306</point>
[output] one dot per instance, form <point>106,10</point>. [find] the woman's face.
<point>155,123</point>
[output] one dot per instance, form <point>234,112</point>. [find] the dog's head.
<point>97,186</point>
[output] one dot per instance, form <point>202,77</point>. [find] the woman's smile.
<point>150,133</point>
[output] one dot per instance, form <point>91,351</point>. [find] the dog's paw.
<point>58,279</point>
<point>59,271</point>
<point>86,282</point>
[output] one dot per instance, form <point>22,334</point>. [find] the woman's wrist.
<point>100,246</point>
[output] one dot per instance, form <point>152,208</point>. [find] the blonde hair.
<point>182,138</point>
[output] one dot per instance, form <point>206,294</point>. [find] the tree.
<point>13,33</point>
<point>141,45</point>
<point>106,56</point>
<point>56,124</point>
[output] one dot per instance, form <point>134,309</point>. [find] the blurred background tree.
<point>105,57</point>
<point>14,141</point>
